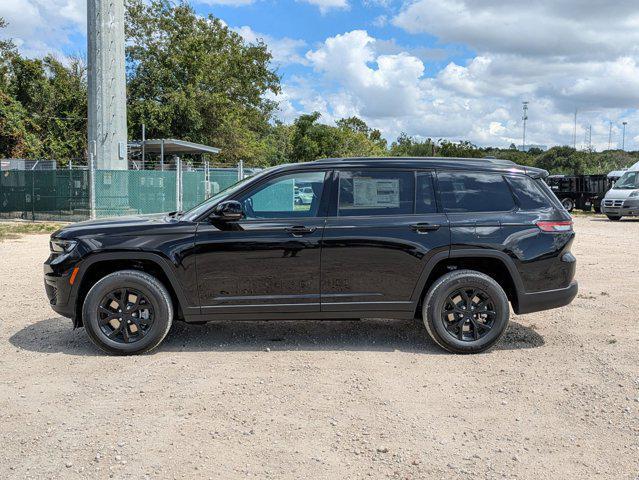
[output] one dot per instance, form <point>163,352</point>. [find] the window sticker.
<point>376,192</point>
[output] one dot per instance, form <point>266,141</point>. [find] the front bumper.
<point>58,290</point>
<point>546,300</point>
<point>626,208</point>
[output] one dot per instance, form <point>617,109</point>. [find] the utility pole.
<point>574,132</point>
<point>590,138</point>
<point>623,138</point>
<point>610,135</point>
<point>524,106</point>
<point>107,129</point>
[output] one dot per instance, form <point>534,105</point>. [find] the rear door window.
<point>527,192</point>
<point>375,192</point>
<point>474,192</point>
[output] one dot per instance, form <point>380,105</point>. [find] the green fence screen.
<point>65,194</point>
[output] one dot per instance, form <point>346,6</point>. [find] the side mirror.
<point>228,211</point>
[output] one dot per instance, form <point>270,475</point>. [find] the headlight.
<point>62,246</point>
<point>634,194</point>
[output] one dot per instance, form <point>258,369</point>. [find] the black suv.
<point>452,241</point>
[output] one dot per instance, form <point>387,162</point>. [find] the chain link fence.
<point>65,194</point>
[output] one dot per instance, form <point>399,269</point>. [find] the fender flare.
<point>166,266</point>
<point>467,253</point>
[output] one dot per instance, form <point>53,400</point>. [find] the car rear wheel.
<point>614,218</point>
<point>127,312</point>
<point>465,311</point>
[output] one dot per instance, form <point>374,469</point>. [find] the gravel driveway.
<point>559,397</point>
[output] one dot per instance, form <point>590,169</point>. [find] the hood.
<point>618,194</point>
<point>128,225</point>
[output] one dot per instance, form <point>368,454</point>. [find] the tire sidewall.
<point>151,289</point>
<point>437,296</point>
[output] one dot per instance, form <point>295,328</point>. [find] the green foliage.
<point>350,138</point>
<point>193,78</point>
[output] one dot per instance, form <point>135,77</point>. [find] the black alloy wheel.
<point>125,315</point>
<point>465,311</point>
<point>127,312</point>
<point>468,314</point>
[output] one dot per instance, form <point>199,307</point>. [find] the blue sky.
<point>456,69</point>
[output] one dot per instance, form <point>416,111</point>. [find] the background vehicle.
<point>304,195</point>
<point>584,192</point>
<point>623,198</point>
<point>453,241</point>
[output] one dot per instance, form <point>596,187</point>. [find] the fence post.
<point>178,184</point>
<point>92,153</point>
<point>207,180</point>
<point>240,170</point>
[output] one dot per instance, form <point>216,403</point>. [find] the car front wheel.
<point>465,311</point>
<point>127,312</point>
<point>614,218</point>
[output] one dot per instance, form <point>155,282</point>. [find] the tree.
<point>193,78</point>
<point>407,146</point>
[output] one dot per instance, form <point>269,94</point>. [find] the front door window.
<point>296,195</point>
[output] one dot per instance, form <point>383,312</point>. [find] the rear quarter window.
<point>528,194</point>
<point>474,192</point>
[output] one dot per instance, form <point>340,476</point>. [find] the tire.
<point>442,330</point>
<point>614,218</point>
<point>568,204</point>
<point>151,321</point>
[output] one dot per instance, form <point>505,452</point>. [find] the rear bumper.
<point>545,300</point>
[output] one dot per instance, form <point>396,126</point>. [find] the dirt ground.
<point>558,399</point>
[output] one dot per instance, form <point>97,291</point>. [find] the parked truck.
<point>584,192</point>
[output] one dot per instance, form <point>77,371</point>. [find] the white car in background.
<point>304,196</point>
<point>622,200</point>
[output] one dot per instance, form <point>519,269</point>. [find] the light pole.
<point>623,137</point>
<point>524,118</point>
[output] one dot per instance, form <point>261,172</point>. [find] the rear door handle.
<point>424,227</point>
<point>299,230</point>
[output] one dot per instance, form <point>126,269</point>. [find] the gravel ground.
<point>559,397</point>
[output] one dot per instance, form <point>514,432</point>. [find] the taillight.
<point>563,226</point>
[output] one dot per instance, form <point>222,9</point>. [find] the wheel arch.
<point>495,264</point>
<point>99,265</point>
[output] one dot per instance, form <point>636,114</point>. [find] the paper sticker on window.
<point>376,192</point>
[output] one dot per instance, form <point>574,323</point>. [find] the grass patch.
<point>15,229</point>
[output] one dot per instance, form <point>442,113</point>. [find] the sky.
<point>454,69</point>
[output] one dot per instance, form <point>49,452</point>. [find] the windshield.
<point>628,181</point>
<point>198,210</point>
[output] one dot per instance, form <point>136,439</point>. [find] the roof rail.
<point>491,160</point>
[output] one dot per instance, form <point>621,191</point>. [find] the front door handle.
<point>299,230</point>
<point>424,227</point>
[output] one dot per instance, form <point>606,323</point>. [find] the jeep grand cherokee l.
<point>453,241</point>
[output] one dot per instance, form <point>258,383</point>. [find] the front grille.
<point>613,203</point>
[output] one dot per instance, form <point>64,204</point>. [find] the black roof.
<point>485,164</point>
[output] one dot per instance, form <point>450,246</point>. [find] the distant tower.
<point>107,85</point>
<point>623,141</point>
<point>524,106</point>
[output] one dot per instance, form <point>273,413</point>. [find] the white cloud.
<point>285,50</point>
<point>326,5</point>
<point>546,28</point>
<point>39,27</point>
<point>479,101</point>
